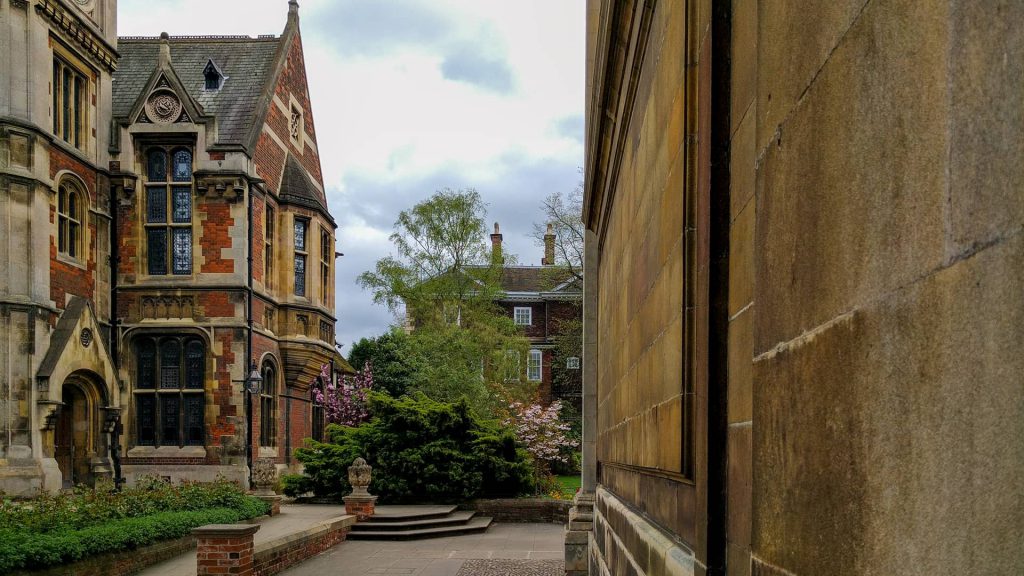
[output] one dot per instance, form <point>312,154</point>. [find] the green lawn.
<point>568,485</point>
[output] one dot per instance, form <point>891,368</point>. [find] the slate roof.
<point>248,64</point>
<point>298,188</point>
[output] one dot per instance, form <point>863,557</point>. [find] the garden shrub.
<point>57,529</point>
<point>421,450</point>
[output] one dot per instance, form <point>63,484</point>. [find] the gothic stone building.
<point>803,288</point>
<point>166,232</point>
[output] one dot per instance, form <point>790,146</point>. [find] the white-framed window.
<point>523,315</point>
<point>572,363</point>
<point>533,368</point>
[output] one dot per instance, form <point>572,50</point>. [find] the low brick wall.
<point>121,563</point>
<point>277,555</point>
<point>524,509</point>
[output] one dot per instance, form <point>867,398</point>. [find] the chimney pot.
<point>549,247</point>
<point>496,245</point>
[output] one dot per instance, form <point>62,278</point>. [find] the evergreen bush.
<point>421,451</point>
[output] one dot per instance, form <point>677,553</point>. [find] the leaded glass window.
<point>301,229</point>
<point>268,395</point>
<point>182,204</point>
<point>182,250</point>
<point>170,414</point>
<point>182,165</point>
<point>169,211</point>
<point>300,275</point>
<point>70,92</point>
<point>157,166</point>
<point>69,219</point>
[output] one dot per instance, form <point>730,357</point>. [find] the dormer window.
<point>214,77</point>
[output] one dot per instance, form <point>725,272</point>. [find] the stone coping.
<point>226,530</point>
<point>284,542</point>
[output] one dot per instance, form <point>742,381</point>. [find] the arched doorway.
<point>78,443</point>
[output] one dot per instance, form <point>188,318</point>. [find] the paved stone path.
<point>533,549</point>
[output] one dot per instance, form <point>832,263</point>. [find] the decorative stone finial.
<point>293,7</point>
<point>165,49</point>
<point>359,477</point>
<point>360,502</point>
<point>264,473</point>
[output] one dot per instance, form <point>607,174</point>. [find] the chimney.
<point>549,247</point>
<point>165,50</point>
<point>496,244</point>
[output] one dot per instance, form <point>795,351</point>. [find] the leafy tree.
<point>446,277</point>
<point>394,366</point>
<point>544,435</point>
<point>563,212</point>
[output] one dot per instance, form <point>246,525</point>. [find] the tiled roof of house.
<point>246,62</point>
<point>532,279</point>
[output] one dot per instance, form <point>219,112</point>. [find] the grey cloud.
<point>570,127</point>
<point>372,27</point>
<point>513,199</point>
<point>469,66</point>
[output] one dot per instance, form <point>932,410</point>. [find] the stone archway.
<point>80,447</point>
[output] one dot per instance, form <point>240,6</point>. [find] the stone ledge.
<point>232,530</point>
<point>651,548</point>
<point>542,510</point>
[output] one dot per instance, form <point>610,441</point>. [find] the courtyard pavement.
<point>503,550</point>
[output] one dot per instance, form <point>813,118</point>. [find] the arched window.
<point>318,415</point>
<point>268,401</point>
<point>69,219</point>
<point>169,391</point>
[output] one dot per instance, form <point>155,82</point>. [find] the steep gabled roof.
<point>246,62</point>
<point>297,187</point>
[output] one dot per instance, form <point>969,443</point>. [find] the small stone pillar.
<point>224,549</point>
<point>360,502</point>
<point>264,473</point>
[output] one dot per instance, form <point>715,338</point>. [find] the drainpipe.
<point>248,344</point>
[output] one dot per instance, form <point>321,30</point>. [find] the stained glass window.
<point>169,212</point>
<point>300,235</point>
<point>182,251</point>
<point>170,420</point>
<point>147,365</point>
<point>300,275</point>
<point>157,167</point>
<point>194,420</point>
<point>182,165</point>
<point>156,243</point>
<point>172,414</point>
<point>194,365</point>
<point>145,417</point>
<point>156,205</point>
<point>182,210</point>
<point>170,364</point>
<point>267,400</point>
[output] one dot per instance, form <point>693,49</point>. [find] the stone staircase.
<point>415,522</point>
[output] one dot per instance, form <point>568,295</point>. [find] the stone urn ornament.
<point>264,473</point>
<point>360,502</point>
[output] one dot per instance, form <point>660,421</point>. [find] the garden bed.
<point>52,531</point>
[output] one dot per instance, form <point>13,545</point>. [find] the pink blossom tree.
<point>542,434</point>
<point>345,402</point>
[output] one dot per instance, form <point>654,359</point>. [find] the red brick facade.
<point>66,278</point>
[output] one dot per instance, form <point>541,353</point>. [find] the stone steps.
<point>415,522</point>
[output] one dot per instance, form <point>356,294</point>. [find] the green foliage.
<point>421,450</point>
<point>52,530</point>
<point>394,366</point>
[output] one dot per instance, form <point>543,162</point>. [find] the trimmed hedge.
<point>31,550</point>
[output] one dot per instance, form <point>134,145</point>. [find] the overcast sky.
<point>413,95</point>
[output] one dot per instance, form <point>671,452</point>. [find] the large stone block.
<point>889,440</point>
<point>743,81</point>
<point>851,196</point>
<point>987,103</point>
<point>741,367</point>
<point>794,40</point>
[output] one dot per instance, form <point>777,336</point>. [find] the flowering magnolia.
<point>345,403</point>
<point>541,431</point>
